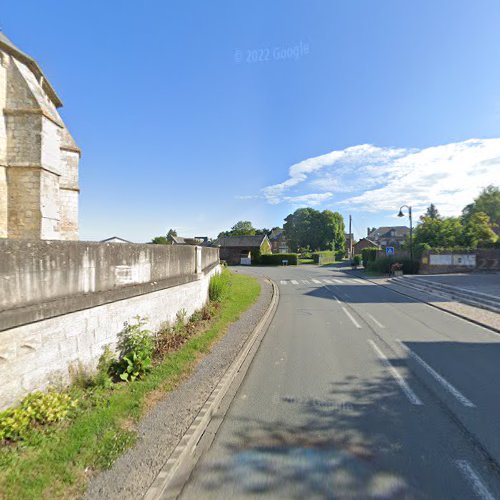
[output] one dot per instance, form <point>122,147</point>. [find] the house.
<point>115,239</point>
<point>363,243</point>
<point>239,249</point>
<point>278,241</point>
<point>389,236</point>
<point>180,240</point>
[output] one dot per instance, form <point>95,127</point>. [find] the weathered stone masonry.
<point>61,302</point>
<point>38,157</point>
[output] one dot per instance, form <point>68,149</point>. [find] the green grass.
<point>306,261</point>
<point>58,463</point>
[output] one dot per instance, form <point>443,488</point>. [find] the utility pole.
<point>350,236</point>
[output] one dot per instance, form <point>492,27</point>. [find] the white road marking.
<point>283,282</point>
<point>294,282</point>
<point>338,281</point>
<point>474,479</point>
<point>315,281</point>
<point>414,400</point>
<point>358,280</point>
<point>438,377</point>
<point>349,315</point>
<point>327,281</point>
<point>380,325</point>
<point>305,282</point>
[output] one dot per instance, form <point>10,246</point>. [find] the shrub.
<point>136,351</point>
<point>383,265</point>
<point>369,255</point>
<point>276,259</point>
<point>326,257</point>
<point>38,408</point>
<point>356,260</point>
<point>219,286</point>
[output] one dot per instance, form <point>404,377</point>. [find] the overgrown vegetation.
<point>219,287</point>
<point>84,429</point>
<point>277,259</point>
<point>369,255</point>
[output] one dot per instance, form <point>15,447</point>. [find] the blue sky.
<point>194,115</point>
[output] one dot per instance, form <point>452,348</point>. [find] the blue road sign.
<point>389,251</point>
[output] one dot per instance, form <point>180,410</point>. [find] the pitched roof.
<point>7,46</point>
<point>385,231</point>
<point>366,239</point>
<point>240,241</point>
<point>276,233</point>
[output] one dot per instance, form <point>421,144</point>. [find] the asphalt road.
<point>359,392</point>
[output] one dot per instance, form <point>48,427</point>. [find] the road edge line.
<point>187,444</point>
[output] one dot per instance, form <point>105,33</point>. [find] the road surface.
<point>359,392</point>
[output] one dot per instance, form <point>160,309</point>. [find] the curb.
<point>189,441</point>
<point>458,315</point>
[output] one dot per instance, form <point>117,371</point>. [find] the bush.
<point>218,288</point>
<point>369,255</point>
<point>326,257</point>
<point>356,260</point>
<point>383,265</point>
<point>340,255</point>
<point>277,258</point>
<point>136,351</point>
<point>38,408</point>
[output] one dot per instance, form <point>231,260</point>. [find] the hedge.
<point>327,257</point>
<point>383,265</point>
<point>369,255</point>
<point>276,259</point>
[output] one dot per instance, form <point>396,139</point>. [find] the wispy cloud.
<point>376,179</point>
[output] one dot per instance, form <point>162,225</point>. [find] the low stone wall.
<point>482,259</point>
<point>86,293</point>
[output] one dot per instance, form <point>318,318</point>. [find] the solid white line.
<point>438,377</point>
<point>294,282</point>
<point>282,282</point>
<point>316,281</point>
<point>414,400</point>
<point>380,325</point>
<point>356,324</point>
<point>474,479</point>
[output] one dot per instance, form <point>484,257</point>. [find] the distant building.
<point>181,240</point>
<point>38,157</point>
<point>115,239</point>
<point>278,241</point>
<point>363,243</point>
<point>238,249</point>
<point>389,236</point>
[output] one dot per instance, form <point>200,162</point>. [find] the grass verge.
<point>58,462</point>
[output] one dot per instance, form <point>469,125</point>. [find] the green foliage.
<point>105,366</point>
<point>326,257</point>
<point>307,227</point>
<point>276,259</point>
<point>241,228</point>
<point>383,265</point>
<point>219,286</point>
<point>477,230</point>
<point>136,346</point>
<point>356,260</point>
<point>164,240</point>
<point>487,202</point>
<point>36,409</point>
<point>368,255</point>
<point>432,212</point>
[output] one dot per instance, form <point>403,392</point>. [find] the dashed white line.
<point>414,400</point>
<point>474,479</point>
<point>350,316</point>
<point>450,388</point>
<point>294,282</point>
<point>380,325</point>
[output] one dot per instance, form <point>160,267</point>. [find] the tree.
<point>171,232</point>
<point>438,232</point>
<point>164,240</point>
<point>487,202</point>
<point>307,227</point>
<point>432,212</point>
<point>477,230</point>
<point>241,228</point>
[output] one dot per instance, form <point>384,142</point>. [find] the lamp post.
<point>401,214</point>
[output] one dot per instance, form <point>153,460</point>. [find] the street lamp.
<point>401,214</point>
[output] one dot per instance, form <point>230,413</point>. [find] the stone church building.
<point>38,157</point>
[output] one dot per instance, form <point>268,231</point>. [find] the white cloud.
<point>379,179</point>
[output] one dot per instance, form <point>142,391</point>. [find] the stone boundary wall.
<point>482,259</point>
<point>88,291</point>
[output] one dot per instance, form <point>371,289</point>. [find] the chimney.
<point>367,231</point>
